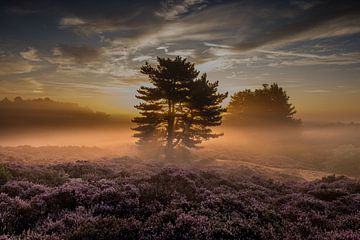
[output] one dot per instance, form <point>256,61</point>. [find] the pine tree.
<point>267,106</point>
<point>179,108</point>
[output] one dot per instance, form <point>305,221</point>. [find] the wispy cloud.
<point>165,48</point>
<point>142,58</point>
<point>67,54</point>
<point>182,53</point>
<point>71,21</point>
<point>37,87</point>
<point>11,65</point>
<point>221,64</point>
<point>171,9</point>
<point>325,19</point>
<point>31,54</point>
<point>217,45</point>
<point>283,58</point>
<point>89,27</point>
<point>242,25</point>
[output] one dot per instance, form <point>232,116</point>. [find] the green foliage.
<point>267,106</point>
<point>107,228</point>
<point>180,107</point>
<point>5,175</point>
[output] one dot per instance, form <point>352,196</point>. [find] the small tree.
<point>267,106</point>
<point>179,109</point>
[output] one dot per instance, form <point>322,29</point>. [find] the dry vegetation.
<point>246,185</point>
<point>125,198</point>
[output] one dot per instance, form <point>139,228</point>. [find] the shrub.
<point>107,228</point>
<point>16,215</point>
<point>154,202</point>
<point>5,175</point>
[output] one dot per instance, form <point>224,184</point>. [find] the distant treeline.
<point>332,124</point>
<point>266,106</point>
<point>44,112</point>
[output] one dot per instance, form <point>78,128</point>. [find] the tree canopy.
<point>177,111</point>
<point>267,106</point>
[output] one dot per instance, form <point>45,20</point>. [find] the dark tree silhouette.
<point>179,109</point>
<point>267,106</point>
<point>44,112</point>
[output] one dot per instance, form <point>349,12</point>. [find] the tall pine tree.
<point>179,108</point>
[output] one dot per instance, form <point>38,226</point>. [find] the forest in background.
<point>42,113</point>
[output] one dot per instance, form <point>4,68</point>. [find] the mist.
<point>330,148</point>
<point>323,148</point>
<point>180,119</point>
<point>47,131</point>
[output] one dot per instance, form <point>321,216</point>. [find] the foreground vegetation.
<point>128,199</point>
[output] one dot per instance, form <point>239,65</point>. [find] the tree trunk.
<point>170,131</point>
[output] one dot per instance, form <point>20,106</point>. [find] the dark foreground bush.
<point>5,174</point>
<point>118,200</point>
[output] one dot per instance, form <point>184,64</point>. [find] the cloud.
<point>165,48</point>
<point>118,70</point>
<point>182,53</point>
<point>71,21</point>
<point>220,52</point>
<point>171,9</point>
<point>37,87</point>
<point>288,58</point>
<point>245,25</point>
<point>219,64</point>
<point>11,65</point>
<point>85,60</point>
<point>217,45</point>
<point>68,54</point>
<point>326,19</point>
<point>90,26</point>
<point>142,58</point>
<point>291,54</point>
<point>31,54</point>
<point>174,32</point>
<point>109,66</point>
<point>32,81</point>
<point>137,27</point>
<point>239,26</point>
<point>113,16</point>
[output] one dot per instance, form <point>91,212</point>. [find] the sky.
<point>90,52</point>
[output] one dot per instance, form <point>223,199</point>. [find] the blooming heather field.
<point>125,198</point>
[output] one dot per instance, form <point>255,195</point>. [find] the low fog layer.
<point>323,148</point>
<point>330,148</point>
